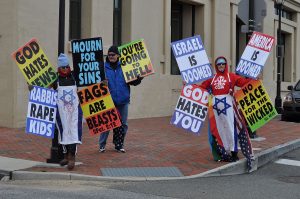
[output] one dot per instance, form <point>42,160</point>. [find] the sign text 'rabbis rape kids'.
<point>41,112</point>
<point>135,60</point>
<point>191,109</point>
<point>255,104</point>
<point>34,64</point>
<point>98,108</point>
<point>88,61</point>
<point>255,55</point>
<point>192,59</point>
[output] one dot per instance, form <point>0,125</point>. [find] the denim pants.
<point>123,110</point>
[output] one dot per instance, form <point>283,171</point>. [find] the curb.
<point>239,167</point>
<point>5,175</point>
<point>260,159</point>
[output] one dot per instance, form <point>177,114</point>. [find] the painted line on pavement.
<point>254,149</point>
<point>258,139</point>
<point>288,162</point>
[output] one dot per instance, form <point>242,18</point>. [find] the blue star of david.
<point>67,97</point>
<point>226,106</point>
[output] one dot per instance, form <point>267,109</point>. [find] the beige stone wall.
<point>102,20</point>
<point>31,23</point>
<point>216,31</point>
<point>8,35</point>
<point>270,25</point>
<point>21,21</point>
<point>158,93</point>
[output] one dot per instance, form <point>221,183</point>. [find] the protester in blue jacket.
<point>120,93</point>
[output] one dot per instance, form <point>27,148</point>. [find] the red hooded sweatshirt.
<point>223,82</point>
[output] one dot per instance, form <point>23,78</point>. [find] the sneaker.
<point>120,150</point>
<point>102,149</point>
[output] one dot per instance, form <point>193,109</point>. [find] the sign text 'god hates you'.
<point>192,59</point>
<point>41,112</point>
<point>255,55</point>
<point>255,104</point>
<point>98,108</point>
<point>135,60</point>
<point>88,61</point>
<point>191,109</point>
<point>34,64</point>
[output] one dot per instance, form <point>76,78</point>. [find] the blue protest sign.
<point>191,109</point>
<point>255,55</point>
<point>41,112</point>
<point>192,59</point>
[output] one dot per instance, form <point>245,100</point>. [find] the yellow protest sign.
<point>98,108</point>
<point>34,64</point>
<point>255,104</point>
<point>135,60</point>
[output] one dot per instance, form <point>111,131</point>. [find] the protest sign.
<point>88,61</point>
<point>255,55</point>
<point>135,60</point>
<point>255,104</point>
<point>98,108</point>
<point>34,64</point>
<point>41,112</point>
<point>191,109</point>
<point>192,59</point>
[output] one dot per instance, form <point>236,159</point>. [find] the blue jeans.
<point>123,110</point>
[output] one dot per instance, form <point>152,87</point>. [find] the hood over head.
<point>221,59</point>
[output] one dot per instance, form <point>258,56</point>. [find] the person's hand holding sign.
<point>137,81</point>
<point>105,82</point>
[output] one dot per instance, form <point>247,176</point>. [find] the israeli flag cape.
<point>69,117</point>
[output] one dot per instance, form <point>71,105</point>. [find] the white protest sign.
<point>191,109</point>
<point>192,60</point>
<point>255,55</point>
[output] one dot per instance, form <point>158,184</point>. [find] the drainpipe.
<point>56,154</point>
<point>251,20</point>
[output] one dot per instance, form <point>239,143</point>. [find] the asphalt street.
<point>276,180</point>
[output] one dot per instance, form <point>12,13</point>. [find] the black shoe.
<point>253,135</point>
<point>234,156</point>
<point>120,150</point>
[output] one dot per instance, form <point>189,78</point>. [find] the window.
<point>117,23</point>
<point>287,14</point>
<point>286,40</point>
<point>75,19</point>
<point>182,26</point>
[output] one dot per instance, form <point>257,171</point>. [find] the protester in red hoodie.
<point>225,121</point>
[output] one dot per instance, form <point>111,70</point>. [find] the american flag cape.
<point>240,131</point>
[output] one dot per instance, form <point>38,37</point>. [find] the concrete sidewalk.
<point>150,144</point>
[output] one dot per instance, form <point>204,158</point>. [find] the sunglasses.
<point>220,64</point>
<point>111,54</point>
<point>64,67</point>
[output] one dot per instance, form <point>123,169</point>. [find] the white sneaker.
<point>102,150</point>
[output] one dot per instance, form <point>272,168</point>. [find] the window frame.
<point>177,16</point>
<point>117,23</point>
<point>75,19</point>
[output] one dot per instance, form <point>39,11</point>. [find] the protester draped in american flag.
<point>226,125</point>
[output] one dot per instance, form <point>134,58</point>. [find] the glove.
<point>139,78</point>
<point>137,81</point>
